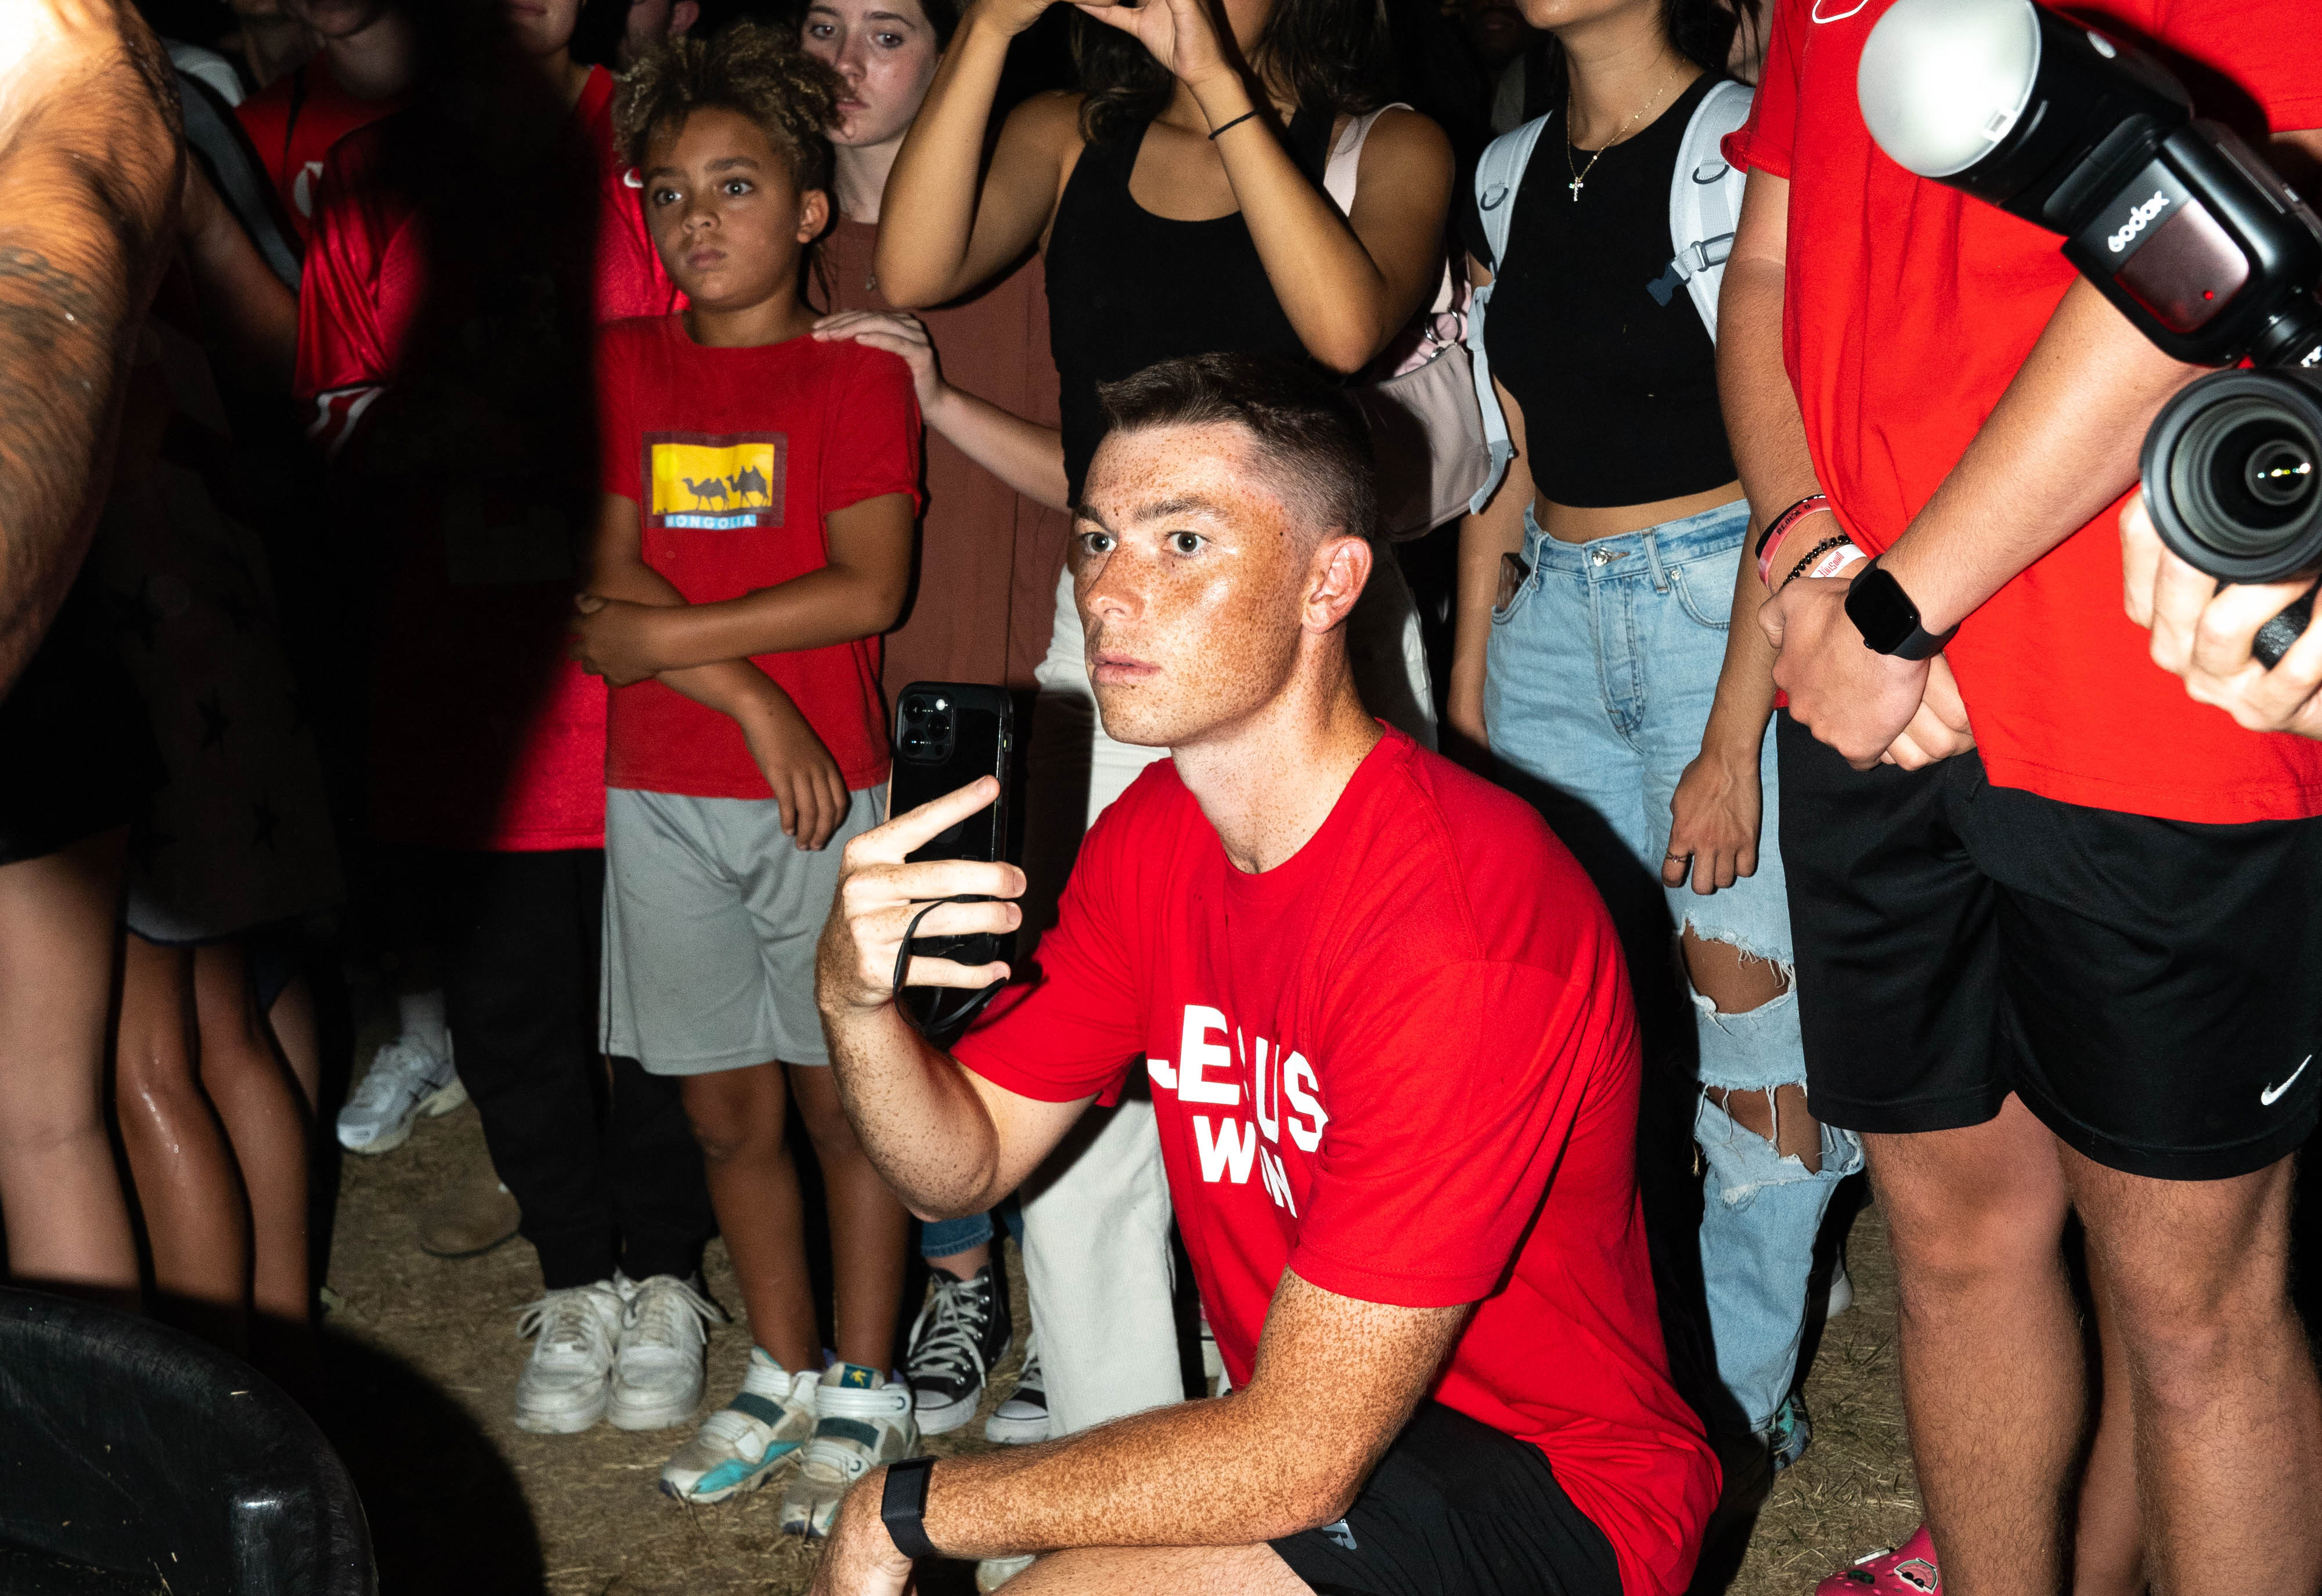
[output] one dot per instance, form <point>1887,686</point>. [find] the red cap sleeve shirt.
<point>1404,1064</point>
<point>1908,308</point>
<point>735,458</point>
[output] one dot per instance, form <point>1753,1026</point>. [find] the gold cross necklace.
<point>1580,174</point>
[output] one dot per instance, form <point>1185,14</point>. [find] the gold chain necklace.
<point>1580,175</point>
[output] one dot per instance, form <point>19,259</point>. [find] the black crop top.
<point>1619,391</point>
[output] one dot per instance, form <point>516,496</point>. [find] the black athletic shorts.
<point>1457,1509</point>
<point>2151,988</point>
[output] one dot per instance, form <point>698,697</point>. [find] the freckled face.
<point>724,213</point>
<point>1192,578</point>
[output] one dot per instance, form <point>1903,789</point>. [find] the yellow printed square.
<point>716,482</point>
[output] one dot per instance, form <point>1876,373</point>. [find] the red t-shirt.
<point>734,457</point>
<point>1404,1063</point>
<point>484,735</point>
<point>292,122</point>
<point>1909,307</point>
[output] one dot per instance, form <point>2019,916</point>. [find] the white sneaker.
<point>657,1369</point>
<point>861,1421</point>
<point>744,1442</point>
<point>562,1389</point>
<point>1023,1417</point>
<point>1841,1290</point>
<point>407,1078</point>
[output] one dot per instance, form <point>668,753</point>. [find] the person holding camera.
<point>1392,1058</point>
<point>2056,952</point>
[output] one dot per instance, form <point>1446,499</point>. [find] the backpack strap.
<point>1498,176</point>
<point>1704,202</point>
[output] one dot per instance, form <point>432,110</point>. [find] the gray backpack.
<point>1704,205</point>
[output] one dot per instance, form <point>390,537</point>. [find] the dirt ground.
<point>425,1355</point>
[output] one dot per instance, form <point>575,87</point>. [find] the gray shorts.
<point>711,916</point>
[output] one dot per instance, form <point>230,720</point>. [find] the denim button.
<point>1606,556</point>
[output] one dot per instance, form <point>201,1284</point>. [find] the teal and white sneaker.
<point>1792,1431</point>
<point>743,1443</point>
<point>861,1421</point>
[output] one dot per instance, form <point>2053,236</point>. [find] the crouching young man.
<point>1392,1059</point>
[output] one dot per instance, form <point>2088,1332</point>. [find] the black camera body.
<point>2183,227</point>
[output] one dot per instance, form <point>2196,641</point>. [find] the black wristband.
<point>1237,122</point>
<point>903,1503</point>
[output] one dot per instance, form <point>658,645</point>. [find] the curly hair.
<point>1332,57</point>
<point>756,70</point>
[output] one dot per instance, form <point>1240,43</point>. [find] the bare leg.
<point>1737,985</point>
<point>2228,1412</point>
<point>265,1121</point>
<point>1994,1385</point>
<point>68,1222</point>
<point>2108,1542</point>
<point>870,1230</point>
<point>188,1187</point>
<point>1162,1571</point>
<point>754,1187</point>
<point>299,1036</point>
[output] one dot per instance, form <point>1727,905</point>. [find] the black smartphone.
<point>946,734</point>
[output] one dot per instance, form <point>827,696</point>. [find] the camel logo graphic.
<point>715,483</point>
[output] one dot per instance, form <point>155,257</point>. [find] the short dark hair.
<point>1302,425</point>
<point>753,68</point>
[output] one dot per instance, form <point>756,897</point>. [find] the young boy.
<point>755,539</point>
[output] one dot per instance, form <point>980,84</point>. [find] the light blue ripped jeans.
<point>1600,675</point>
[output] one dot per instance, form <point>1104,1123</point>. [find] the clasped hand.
<point>1183,35</point>
<point>613,638</point>
<point>1872,707</point>
<point>879,893</point>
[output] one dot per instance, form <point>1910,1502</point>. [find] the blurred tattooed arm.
<point>89,173</point>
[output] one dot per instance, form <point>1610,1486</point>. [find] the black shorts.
<point>2151,988</point>
<point>1457,1509</point>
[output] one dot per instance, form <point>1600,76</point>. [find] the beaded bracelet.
<point>1826,559</point>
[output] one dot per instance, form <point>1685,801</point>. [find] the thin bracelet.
<point>1770,540</point>
<point>1841,542</point>
<point>1237,122</point>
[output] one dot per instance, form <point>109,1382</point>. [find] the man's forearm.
<point>88,173</point>
<point>916,1113</point>
<point>2060,446</point>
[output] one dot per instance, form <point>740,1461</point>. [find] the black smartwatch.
<point>1888,619</point>
<point>903,1504</point>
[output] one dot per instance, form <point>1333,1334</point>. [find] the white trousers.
<point>1096,1214</point>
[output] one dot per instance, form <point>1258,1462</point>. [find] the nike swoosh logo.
<point>631,179</point>
<point>1837,16</point>
<point>2272,1094</point>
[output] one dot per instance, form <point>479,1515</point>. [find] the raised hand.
<point>879,893</point>
<point>1183,35</point>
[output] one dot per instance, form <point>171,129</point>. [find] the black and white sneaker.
<point>1023,1417</point>
<point>961,1333</point>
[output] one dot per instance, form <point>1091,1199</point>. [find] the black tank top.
<point>1605,354</point>
<point>1128,288</point>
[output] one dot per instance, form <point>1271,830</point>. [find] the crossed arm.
<point>1336,1378</point>
<point>88,172</point>
<point>634,624</point>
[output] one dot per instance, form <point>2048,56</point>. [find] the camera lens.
<point>2280,471</point>
<point>2230,471</point>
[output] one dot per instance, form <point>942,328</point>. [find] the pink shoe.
<point>1907,1570</point>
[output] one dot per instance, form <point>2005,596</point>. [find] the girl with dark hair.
<point>1619,675</point>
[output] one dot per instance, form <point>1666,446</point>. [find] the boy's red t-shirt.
<point>1402,1063</point>
<point>735,458</point>
<point>1909,307</point>
<point>484,735</point>
<point>292,122</point>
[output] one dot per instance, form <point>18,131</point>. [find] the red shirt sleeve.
<point>1763,143</point>
<point>358,290</point>
<point>618,445</point>
<point>873,439</point>
<point>2245,42</point>
<point>1521,1043</point>
<point>1074,1033</point>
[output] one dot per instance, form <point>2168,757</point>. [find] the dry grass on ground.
<point>426,1355</point>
